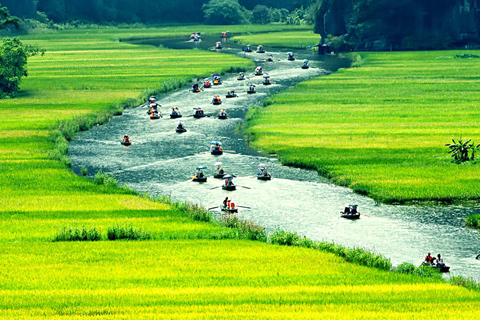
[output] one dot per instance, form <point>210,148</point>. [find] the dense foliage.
<point>224,12</point>
<point>403,24</point>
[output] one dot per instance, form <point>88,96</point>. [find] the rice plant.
<point>127,232</point>
<point>77,234</point>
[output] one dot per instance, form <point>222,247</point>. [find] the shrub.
<point>77,234</point>
<point>467,56</point>
<point>284,238</point>
<point>473,221</point>
<point>105,179</point>
<point>247,229</point>
<point>405,268</point>
<point>463,282</point>
<point>127,232</point>
<point>428,272</point>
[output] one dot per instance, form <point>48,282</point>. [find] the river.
<point>161,161</point>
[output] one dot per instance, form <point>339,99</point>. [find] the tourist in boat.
<point>270,58</point>
<point>440,262</point>
<point>220,170</point>
<point>251,88</point>
<point>241,76</point>
<point>196,88</point>
<point>225,202</point>
<point>222,114</point>
<point>429,260</point>
<point>126,139</point>
<point>354,210</point>
<point>346,210</point>
<point>259,70</point>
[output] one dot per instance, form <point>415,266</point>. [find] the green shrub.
<point>463,282</point>
<point>284,238</point>
<point>428,272</point>
<point>77,234</point>
<point>105,179</point>
<point>473,221</point>
<point>405,268</point>
<point>127,232</point>
<point>467,56</point>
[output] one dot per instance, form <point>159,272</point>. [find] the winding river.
<point>161,161</point>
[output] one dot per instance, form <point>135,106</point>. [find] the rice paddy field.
<point>299,39</point>
<point>381,129</point>
<point>189,269</point>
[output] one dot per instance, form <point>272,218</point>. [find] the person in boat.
<point>241,75</point>
<point>231,93</point>
<point>290,56</point>
<point>251,88</point>
<point>126,139</point>
<point>222,113</point>
<point>440,262</point>
<point>270,58</point>
<point>346,210</point>
<point>220,170</point>
<point>259,70</point>
<point>180,126</point>
<point>225,201</point>
<point>354,210</point>
<point>305,64</point>
<point>429,260</point>
<point>199,173</point>
<point>196,88</point>
<point>229,182</point>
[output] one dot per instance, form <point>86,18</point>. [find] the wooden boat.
<point>251,91</point>
<point>350,216</point>
<point>229,188</point>
<point>263,177</point>
<point>204,179</point>
<point>222,117</point>
<point>229,210</point>
<point>259,73</point>
<point>266,83</point>
<point>216,152</point>
<point>305,67</point>
<point>217,102</point>
<point>218,175</point>
<point>199,115</point>
<point>180,130</point>
<point>155,117</point>
<point>241,78</point>
<point>436,267</point>
<point>231,95</point>
<point>127,143</point>
<point>175,116</point>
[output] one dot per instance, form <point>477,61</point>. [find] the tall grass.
<point>127,232</point>
<point>77,234</point>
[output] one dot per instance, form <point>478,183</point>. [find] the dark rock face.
<point>400,24</point>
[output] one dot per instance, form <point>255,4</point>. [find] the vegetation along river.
<point>161,161</point>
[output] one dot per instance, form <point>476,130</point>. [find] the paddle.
<point>366,215</point>
<point>243,187</point>
<point>215,188</point>
<point>245,207</point>
<point>213,208</point>
<point>230,151</point>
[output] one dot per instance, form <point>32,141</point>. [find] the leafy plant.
<point>77,234</point>
<point>460,149</point>
<point>127,232</point>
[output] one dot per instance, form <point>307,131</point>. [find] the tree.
<point>225,12</point>
<point>13,65</point>
<point>6,20</point>
<point>460,150</point>
<point>261,14</point>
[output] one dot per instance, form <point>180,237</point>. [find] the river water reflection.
<point>160,161</point>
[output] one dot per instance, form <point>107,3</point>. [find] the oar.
<point>213,208</point>
<point>244,207</point>
<point>215,188</point>
<point>230,151</point>
<point>366,215</point>
<point>243,187</point>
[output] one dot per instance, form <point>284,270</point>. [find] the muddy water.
<point>161,161</point>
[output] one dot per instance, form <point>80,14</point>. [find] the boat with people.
<point>198,113</point>
<point>266,81</point>
<point>259,71</point>
<point>247,48</point>
<point>195,88</point>
<point>228,185</point>
<point>241,76</point>
<point>175,113</point>
<point>216,100</point>
<point>305,64</point>
<point>231,94</point>
<point>436,263</point>
<point>216,148</point>
<point>220,173</point>
<point>126,141</point>
<point>225,34</point>
<point>218,45</point>
<point>228,206</point>
<point>350,211</point>
<point>263,174</point>
<point>260,49</point>
<point>222,115</point>
<point>251,89</point>
<point>270,58</point>
<point>290,56</point>
<point>199,175</point>
<point>180,128</point>
<point>216,79</point>
<point>207,83</point>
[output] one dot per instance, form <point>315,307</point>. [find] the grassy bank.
<point>381,129</point>
<point>188,268</point>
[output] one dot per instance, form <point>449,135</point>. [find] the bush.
<point>225,12</point>
<point>405,268</point>
<point>467,56</point>
<point>77,234</point>
<point>473,221</point>
<point>284,238</point>
<point>105,179</point>
<point>428,272</point>
<point>127,232</point>
<point>248,229</point>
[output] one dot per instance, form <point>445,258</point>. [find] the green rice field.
<point>381,129</point>
<point>292,39</point>
<point>189,269</point>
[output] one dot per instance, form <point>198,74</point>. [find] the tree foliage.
<point>225,12</point>
<point>460,150</point>
<point>13,65</point>
<point>7,20</point>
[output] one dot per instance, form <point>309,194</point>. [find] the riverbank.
<point>179,273</point>
<point>381,129</point>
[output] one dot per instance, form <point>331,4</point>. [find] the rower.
<point>195,88</point>
<point>429,260</point>
<point>346,210</point>
<point>440,262</point>
<point>126,139</point>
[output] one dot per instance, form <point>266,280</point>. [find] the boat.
<point>155,116</point>
<point>266,82</point>
<point>270,58</point>
<point>258,71</point>
<point>247,48</point>
<point>290,56</point>
<point>216,100</point>
<point>204,179</point>
<point>229,188</point>
<point>207,83</point>
<point>305,64</point>
<point>198,113</point>
<point>216,79</point>
<point>228,210</point>
<point>218,45</point>
<point>126,143</point>
<point>222,116</point>
<point>175,115</point>
<point>180,130</point>
<point>231,94</point>
<point>251,89</point>
<point>260,49</point>
<point>220,172</point>
<point>264,177</point>
<point>350,216</point>
<point>441,269</point>
<point>216,148</point>
<point>199,175</point>
<point>241,76</point>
